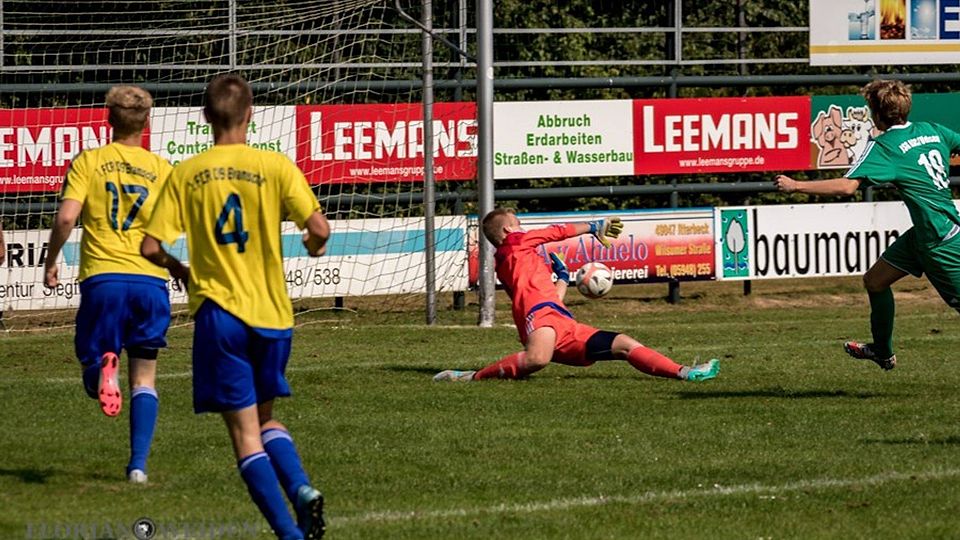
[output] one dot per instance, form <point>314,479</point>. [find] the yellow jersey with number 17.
<point>230,200</point>
<point>118,186</point>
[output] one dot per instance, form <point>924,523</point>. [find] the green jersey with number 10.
<point>915,157</point>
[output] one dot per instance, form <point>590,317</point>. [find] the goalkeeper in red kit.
<point>547,329</point>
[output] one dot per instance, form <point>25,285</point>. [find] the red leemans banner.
<point>381,143</point>
<point>37,145</point>
<point>384,143</point>
<point>720,134</point>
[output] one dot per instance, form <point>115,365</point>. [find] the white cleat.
<point>454,376</point>
<point>137,476</point>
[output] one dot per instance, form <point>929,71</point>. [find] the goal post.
<point>326,94</point>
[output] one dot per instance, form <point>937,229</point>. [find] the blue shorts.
<point>121,311</point>
<point>235,365</point>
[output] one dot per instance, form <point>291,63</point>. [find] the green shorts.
<point>941,263</point>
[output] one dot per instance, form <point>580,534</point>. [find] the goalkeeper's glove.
<point>606,228</point>
<point>559,267</point>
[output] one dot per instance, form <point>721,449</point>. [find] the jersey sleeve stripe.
<point>860,160</point>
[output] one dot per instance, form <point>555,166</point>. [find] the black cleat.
<point>310,513</point>
<point>863,351</point>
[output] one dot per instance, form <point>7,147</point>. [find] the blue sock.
<point>261,481</point>
<point>91,378</point>
<point>144,405</point>
<point>286,461</point>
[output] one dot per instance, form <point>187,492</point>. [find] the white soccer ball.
<point>594,280</point>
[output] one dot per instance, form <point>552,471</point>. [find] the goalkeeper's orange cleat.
<point>108,388</point>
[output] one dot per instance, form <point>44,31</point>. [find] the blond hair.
<point>889,101</point>
<point>492,224</point>
<point>129,109</point>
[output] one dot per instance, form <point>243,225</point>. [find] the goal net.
<point>335,89</point>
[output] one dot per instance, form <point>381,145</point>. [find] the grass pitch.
<point>794,440</point>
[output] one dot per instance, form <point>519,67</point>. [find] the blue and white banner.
<point>364,257</point>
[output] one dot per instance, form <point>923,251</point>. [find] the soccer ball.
<point>594,280</point>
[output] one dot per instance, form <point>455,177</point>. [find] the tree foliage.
<point>534,39</point>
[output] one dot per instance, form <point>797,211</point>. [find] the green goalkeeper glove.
<point>606,228</point>
<point>559,267</point>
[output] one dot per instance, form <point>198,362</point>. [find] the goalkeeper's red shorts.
<point>572,337</point>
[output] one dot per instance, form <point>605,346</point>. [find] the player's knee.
<point>604,345</point>
<point>265,416</point>
<point>872,284</point>
<point>537,359</point>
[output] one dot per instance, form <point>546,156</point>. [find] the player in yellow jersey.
<point>124,303</point>
<point>230,201</point>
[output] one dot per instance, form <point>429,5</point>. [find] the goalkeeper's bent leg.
<point>539,351</point>
<point>644,358</point>
<point>512,366</point>
<point>653,363</point>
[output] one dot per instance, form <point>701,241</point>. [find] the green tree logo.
<point>736,245</point>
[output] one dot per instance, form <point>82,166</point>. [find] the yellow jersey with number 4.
<point>230,200</point>
<point>118,186</point>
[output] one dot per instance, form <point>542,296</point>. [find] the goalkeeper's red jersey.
<point>525,274</point>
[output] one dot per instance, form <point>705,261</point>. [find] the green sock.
<point>881,322</point>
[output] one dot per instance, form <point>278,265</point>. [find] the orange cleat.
<point>108,388</point>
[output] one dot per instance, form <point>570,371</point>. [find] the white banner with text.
<point>806,240</point>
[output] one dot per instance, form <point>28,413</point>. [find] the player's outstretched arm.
<point>559,268</point>
<point>835,186</point>
<point>62,225</point>
<point>603,229</point>
<point>153,251</point>
<point>316,234</point>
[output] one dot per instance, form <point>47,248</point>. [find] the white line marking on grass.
<point>643,498</point>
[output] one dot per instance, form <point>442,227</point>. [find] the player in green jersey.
<point>915,158</point>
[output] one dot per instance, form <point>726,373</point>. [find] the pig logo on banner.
<point>841,138</point>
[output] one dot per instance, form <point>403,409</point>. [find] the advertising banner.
<point>808,240</point>
<point>721,134</point>
<point>380,143</point>
<point>655,245</point>
<point>178,133</point>
<point>37,145</point>
<point>364,257</point>
<point>884,32</point>
<point>384,143</point>
<point>840,126</point>
<point>551,139</point>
